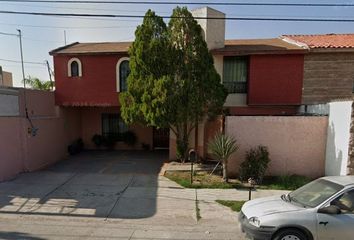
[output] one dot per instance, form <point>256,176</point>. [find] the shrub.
<point>145,146</point>
<point>286,182</point>
<point>76,147</point>
<point>129,138</point>
<point>222,146</point>
<point>98,140</point>
<point>109,142</point>
<point>255,165</point>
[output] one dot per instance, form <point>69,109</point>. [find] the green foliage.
<point>285,182</point>
<point>222,146</point>
<point>234,205</point>
<point>205,180</point>
<point>109,142</point>
<point>37,84</point>
<point>145,146</point>
<point>255,165</point>
<point>97,140</point>
<point>106,141</point>
<point>201,180</point>
<point>129,138</point>
<point>76,147</point>
<point>173,82</point>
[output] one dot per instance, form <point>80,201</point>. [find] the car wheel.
<point>289,234</point>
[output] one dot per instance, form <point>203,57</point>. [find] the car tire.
<point>290,234</point>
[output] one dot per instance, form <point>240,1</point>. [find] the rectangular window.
<point>235,74</point>
<point>113,125</point>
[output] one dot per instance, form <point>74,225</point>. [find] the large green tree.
<point>173,82</point>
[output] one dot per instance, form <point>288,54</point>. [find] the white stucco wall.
<point>319,109</point>
<point>338,136</point>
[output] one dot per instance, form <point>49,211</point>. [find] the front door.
<point>161,138</point>
<point>338,226</point>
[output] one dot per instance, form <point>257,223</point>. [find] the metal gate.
<point>161,138</point>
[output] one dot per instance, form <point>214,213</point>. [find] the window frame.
<point>245,91</point>
<point>79,67</point>
<point>340,196</point>
<point>119,121</point>
<point>120,61</point>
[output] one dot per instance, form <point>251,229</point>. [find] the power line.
<point>8,34</point>
<point>64,27</point>
<point>81,8</point>
<point>14,61</point>
<point>215,18</point>
<point>189,3</point>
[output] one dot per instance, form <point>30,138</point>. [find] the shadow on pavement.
<point>17,236</point>
<point>115,184</point>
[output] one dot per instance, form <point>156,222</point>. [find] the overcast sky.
<point>38,41</point>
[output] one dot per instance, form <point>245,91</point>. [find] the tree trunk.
<point>224,171</point>
<point>182,148</point>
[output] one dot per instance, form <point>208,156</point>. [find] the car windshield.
<point>314,193</point>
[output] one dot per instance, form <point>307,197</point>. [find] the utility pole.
<point>65,37</point>
<point>50,75</point>
<point>22,64</point>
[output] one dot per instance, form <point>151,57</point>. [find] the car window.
<point>345,202</point>
<point>315,193</point>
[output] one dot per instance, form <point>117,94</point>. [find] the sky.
<point>42,34</point>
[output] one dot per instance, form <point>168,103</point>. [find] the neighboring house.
<point>5,78</point>
<point>328,67</point>
<point>263,77</point>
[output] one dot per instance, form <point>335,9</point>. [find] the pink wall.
<point>297,145</point>
<point>48,146</point>
<point>20,151</point>
<point>11,148</point>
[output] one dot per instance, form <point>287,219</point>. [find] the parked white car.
<point>320,210</point>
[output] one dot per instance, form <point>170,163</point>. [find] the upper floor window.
<point>235,74</point>
<point>123,71</point>
<point>74,68</point>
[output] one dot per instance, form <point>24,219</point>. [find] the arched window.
<point>74,68</point>
<point>123,71</point>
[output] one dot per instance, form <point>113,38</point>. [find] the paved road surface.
<point>112,195</point>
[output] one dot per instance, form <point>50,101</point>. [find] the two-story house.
<point>263,77</point>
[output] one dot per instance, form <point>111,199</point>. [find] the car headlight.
<point>254,221</point>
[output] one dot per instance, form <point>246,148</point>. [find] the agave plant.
<point>222,146</point>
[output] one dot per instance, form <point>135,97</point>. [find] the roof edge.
<point>294,42</point>
<point>61,48</point>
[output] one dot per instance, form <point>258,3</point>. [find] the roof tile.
<point>324,40</point>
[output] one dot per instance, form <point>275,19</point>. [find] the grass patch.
<point>234,205</point>
<point>201,180</point>
<point>204,180</point>
<point>284,182</point>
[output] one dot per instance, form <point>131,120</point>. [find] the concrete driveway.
<point>110,195</point>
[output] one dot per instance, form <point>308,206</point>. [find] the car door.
<point>338,226</point>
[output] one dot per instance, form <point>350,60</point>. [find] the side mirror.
<point>330,210</point>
